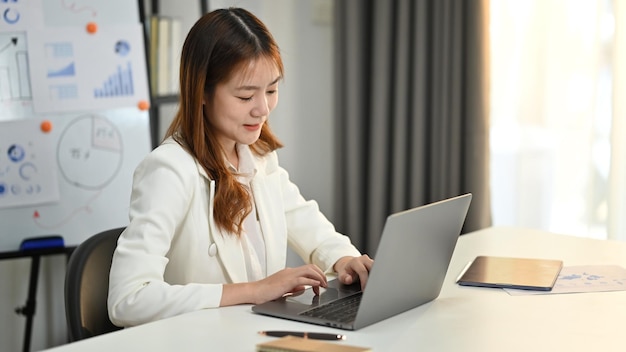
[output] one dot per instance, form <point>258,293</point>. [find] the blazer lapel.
<point>228,246</point>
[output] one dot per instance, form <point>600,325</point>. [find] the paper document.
<point>584,278</point>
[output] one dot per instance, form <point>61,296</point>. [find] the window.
<point>554,164</point>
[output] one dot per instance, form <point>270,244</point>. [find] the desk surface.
<point>461,319</point>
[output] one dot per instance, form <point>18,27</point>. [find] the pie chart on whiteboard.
<point>89,152</point>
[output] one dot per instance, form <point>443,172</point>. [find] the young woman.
<point>211,211</point>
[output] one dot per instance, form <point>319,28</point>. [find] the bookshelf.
<point>163,75</point>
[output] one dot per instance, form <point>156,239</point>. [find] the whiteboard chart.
<point>27,170</point>
<point>118,84</point>
<point>73,75</point>
<point>86,162</point>
<point>62,13</point>
<point>86,143</point>
<point>14,76</point>
<point>20,15</point>
<point>77,70</point>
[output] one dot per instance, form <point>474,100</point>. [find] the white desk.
<point>461,319</point>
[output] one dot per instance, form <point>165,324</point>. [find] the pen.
<point>306,335</point>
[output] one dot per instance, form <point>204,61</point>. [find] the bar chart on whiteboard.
<point>82,71</point>
<point>118,84</point>
<point>14,80</point>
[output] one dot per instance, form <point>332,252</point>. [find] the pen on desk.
<point>306,335</point>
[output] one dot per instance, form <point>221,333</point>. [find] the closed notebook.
<point>508,272</point>
<point>299,344</point>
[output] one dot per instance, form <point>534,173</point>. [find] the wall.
<point>303,120</point>
<point>304,117</point>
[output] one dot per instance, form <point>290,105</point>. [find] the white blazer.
<point>172,258</point>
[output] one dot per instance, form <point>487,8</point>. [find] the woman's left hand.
<point>351,269</point>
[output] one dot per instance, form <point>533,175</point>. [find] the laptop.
<point>509,272</point>
<point>409,268</point>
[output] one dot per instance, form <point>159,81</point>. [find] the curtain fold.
<point>412,124</point>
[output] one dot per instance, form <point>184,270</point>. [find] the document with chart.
<point>584,278</point>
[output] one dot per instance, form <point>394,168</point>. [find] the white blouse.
<point>253,243</point>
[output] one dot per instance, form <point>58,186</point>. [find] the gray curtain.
<point>412,110</point>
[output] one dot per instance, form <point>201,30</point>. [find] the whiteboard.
<point>73,117</point>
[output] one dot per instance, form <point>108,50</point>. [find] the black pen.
<point>306,335</point>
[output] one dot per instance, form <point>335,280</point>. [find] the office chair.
<point>87,286</point>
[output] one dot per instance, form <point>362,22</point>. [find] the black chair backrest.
<point>87,286</point>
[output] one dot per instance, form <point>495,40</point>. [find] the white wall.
<point>303,121</point>
<point>304,117</point>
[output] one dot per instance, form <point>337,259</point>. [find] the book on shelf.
<point>176,43</point>
<point>164,54</point>
<point>152,53</point>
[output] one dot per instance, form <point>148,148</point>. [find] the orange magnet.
<point>92,27</point>
<point>46,126</point>
<point>143,105</point>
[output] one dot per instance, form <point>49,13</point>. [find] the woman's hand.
<point>289,280</point>
<point>350,269</point>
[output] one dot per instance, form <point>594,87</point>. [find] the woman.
<point>211,210</point>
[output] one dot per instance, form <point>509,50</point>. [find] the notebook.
<point>299,344</point>
<point>508,272</point>
<point>409,268</point>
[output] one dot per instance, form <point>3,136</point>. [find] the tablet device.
<point>508,272</point>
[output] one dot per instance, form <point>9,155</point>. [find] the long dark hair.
<point>219,44</point>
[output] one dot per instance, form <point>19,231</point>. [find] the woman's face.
<point>242,104</point>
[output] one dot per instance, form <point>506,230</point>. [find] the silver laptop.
<point>409,269</point>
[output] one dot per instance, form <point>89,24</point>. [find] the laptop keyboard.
<point>342,310</point>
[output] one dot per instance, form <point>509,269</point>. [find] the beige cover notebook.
<point>299,344</point>
<point>508,272</point>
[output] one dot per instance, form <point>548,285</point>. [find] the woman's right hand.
<point>290,280</point>
<point>286,281</point>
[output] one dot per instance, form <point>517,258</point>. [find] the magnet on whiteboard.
<point>143,105</point>
<point>92,27</point>
<point>46,126</point>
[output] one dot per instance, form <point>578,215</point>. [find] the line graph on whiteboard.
<point>75,7</point>
<point>77,12</point>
